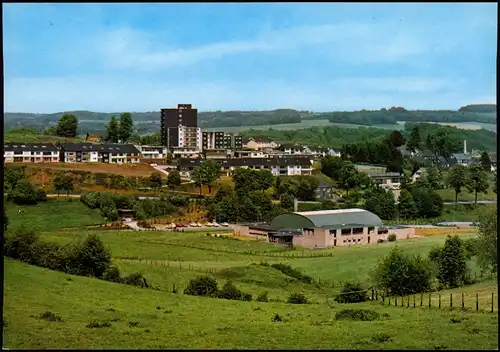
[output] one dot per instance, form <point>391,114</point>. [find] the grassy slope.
<point>182,322</point>
<point>53,215</point>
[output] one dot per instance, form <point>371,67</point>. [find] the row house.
<point>152,152</point>
<point>31,153</point>
<point>277,166</point>
<point>99,153</point>
<point>320,152</point>
<point>259,143</point>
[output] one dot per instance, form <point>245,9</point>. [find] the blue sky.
<point>223,56</point>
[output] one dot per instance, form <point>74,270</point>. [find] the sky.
<point>253,56</point>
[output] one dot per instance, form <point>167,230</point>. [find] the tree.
<point>206,174</point>
<point>406,207</point>
<point>396,139</point>
<point>277,185</point>
<point>12,175</point>
<point>381,203</point>
<point>306,187</point>
<point>5,220</point>
<point>413,143</point>
<point>173,179</point>
<point>265,179</point>
<point>24,193</point>
<point>485,161</point>
<point>487,240</point>
<point>441,142</point>
<point>93,257</point>
<point>451,263</point>
<point>457,179</point>
<point>331,166</point>
<point>63,182</point>
<point>433,177</point>
<point>112,131</point>
<point>67,126</point>
<point>400,274</point>
<point>155,181</point>
<point>477,180</point>
<point>50,131</point>
<point>428,203</point>
<point>349,177</point>
<point>126,127</point>
<point>287,201</point>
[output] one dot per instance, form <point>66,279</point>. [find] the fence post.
<point>421,299</point>
<point>463,304</point>
<point>492,301</point>
<point>439,300</point>
<point>451,301</point>
<point>477,302</point>
<point>396,301</point>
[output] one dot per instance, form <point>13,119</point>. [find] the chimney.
<point>295,205</point>
<point>465,146</point>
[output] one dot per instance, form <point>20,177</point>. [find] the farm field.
<point>324,122</point>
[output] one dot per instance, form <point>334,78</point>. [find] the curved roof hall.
<point>327,219</point>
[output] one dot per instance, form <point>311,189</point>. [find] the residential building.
<point>387,180</point>
<point>323,229</point>
<point>173,118</point>
<point>185,152</point>
<point>151,152</point>
<point>221,140</point>
<point>250,153</point>
<point>103,153</point>
<point>189,137</point>
<point>324,191</point>
<point>31,153</point>
<point>277,166</point>
<point>291,149</point>
<point>216,154</point>
<point>259,143</point>
<point>462,159</point>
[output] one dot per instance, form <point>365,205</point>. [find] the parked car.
<point>180,225</point>
<point>193,224</point>
<point>199,224</point>
<point>225,224</point>
<point>214,224</point>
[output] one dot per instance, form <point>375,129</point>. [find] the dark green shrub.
<point>22,244</point>
<point>112,274</point>
<point>289,271</point>
<point>229,291</point>
<point>380,240</point>
<point>297,298</point>
<point>381,337</point>
<point>471,247</point>
<point>24,193</point>
<point>96,324</point>
<point>90,258</point>
<point>134,324</point>
<point>352,292</point>
<point>134,279</point>
<point>202,286</point>
<point>262,297</point>
<point>49,255</point>
<point>357,314</point>
<point>276,318</point>
<point>49,316</point>
<point>41,195</point>
<point>392,237</point>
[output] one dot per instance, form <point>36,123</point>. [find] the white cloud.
<point>351,42</point>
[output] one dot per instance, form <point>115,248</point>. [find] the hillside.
<point>147,122</point>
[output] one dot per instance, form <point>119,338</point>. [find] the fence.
<point>478,302</point>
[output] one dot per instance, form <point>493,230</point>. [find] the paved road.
<point>472,202</point>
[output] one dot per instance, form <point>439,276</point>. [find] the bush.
<point>297,298</point>
<point>41,195</point>
<point>91,257</point>
<point>49,316</point>
<point>452,268</point>
<point>276,318</point>
<point>96,324</point>
<point>352,292</point>
<point>380,240</point>
<point>400,274</point>
<point>202,286</point>
<point>22,244</point>
<point>289,271</point>
<point>229,291</point>
<point>112,274</point>
<point>471,247</point>
<point>24,193</point>
<point>357,314</point>
<point>134,279</point>
<point>262,297</point>
<point>392,237</point>
<point>381,337</point>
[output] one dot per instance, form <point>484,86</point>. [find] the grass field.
<point>52,215</point>
<point>160,319</point>
<point>448,195</point>
<point>148,319</point>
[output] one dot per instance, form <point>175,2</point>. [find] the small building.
<point>259,142</point>
<point>387,180</point>
<point>462,159</point>
<point>324,229</point>
<point>31,153</point>
<point>324,190</point>
<point>291,149</point>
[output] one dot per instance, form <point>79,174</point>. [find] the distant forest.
<point>148,122</point>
